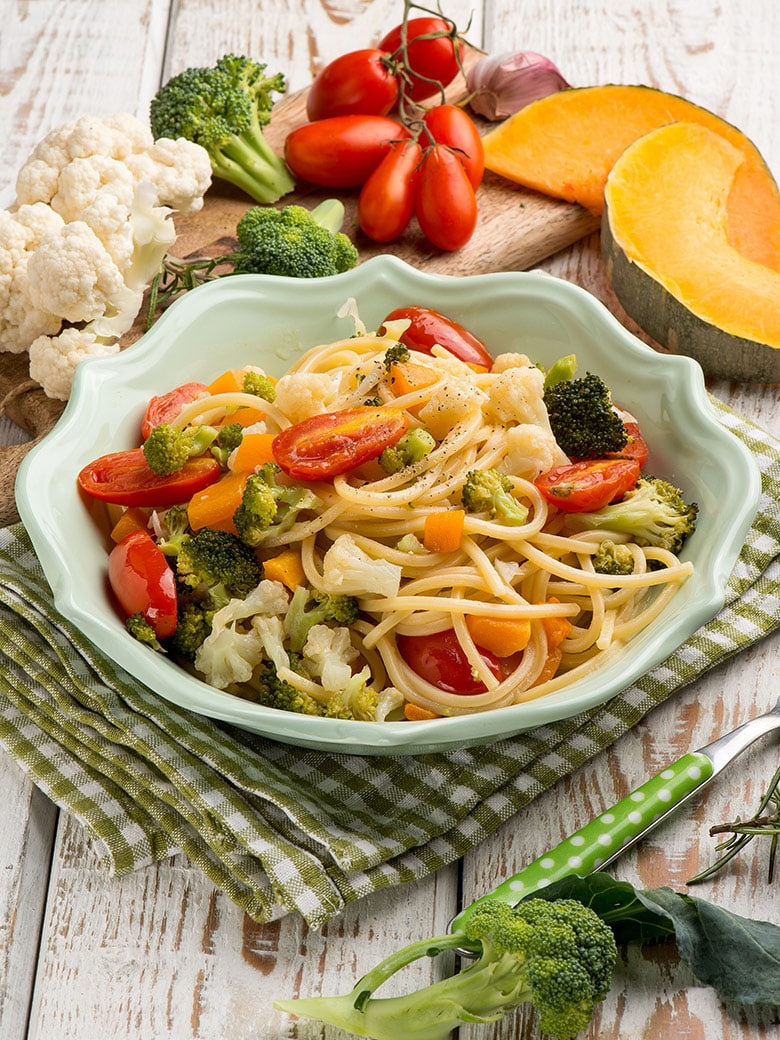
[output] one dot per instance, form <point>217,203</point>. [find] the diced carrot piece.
<point>443,530</point>
<point>253,451</point>
<point>132,519</point>
<point>550,666</point>
<point>414,713</point>
<point>229,382</point>
<point>286,568</point>
<point>245,416</point>
<point>502,636</point>
<point>556,628</point>
<point>215,505</point>
<point>406,377</point>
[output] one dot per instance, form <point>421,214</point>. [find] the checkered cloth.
<point>280,829</point>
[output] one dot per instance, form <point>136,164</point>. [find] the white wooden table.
<point>161,955</point>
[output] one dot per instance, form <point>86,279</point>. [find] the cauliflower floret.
<point>302,394</point>
<point>53,359</point>
<point>269,598</point>
<point>180,171</point>
<point>228,655</point>
<point>349,570</point>
<point>516,395</point>
<point>328,654</point>
<point>270,630</point>
<point>21,321</point>
<point>510,360</point>
<point>531,450</point>
<point>449,405</point>
<point>99,191</point>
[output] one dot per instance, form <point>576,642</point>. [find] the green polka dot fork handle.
<point>602,840</point>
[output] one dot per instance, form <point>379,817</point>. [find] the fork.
<point>600,842</point>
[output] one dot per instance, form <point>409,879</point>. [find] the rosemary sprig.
<point>765,822</point>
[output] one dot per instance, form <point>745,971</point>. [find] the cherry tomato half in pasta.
<point>124,478</point>
<point>356,83</point>
<point>431,57</point>
<point>323,446</point>
<point>386,200</point>
<point>440,660</point>
<point>585,486</point>
<point>342,151</point>
<point>143,582</point>
<point>166,407</point>
<point>451,125</point>
<point>428,327</point>
<point>636,447</point>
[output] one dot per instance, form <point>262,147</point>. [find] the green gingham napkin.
<point>281,829</point>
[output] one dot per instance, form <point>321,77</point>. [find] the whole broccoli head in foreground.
<point>582,418</point>
<point>224,108</point>
<point>558,955</point>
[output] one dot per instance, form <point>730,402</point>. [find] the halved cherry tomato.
<point>451,125</point>
<point>427,327</point>
<point>323,446</point>
<point>143,582</point>
<point>585,486</point>
<point>341,152</point>
<point>433,59</point>
<point>356,83</point>
<point>166,407</point>
<point>386,200</point>
<point>440,660</point>
<point>445,203</point>
<point>124,478</point>
<point>636,447</point>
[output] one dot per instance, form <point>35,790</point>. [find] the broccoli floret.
<point>582,418</point>
<point>654,513</point>
<point>411,448</point>
<point>309,607</point>
<point>268,508</point>
<point>488,491</point>
<point>260,385</point>
<point>176,529</point>
<point>273,692</point>
<point>357,700</point>
<point>228,439</point>
<point>140,629</point>
<point>397,354</point>
<point>224,109</point>
<point>293,241</point>
<point>614,559</point>
<point>557,955</point>
<point>194,622</point>
<point>215,566</point>
<point>168,448</point>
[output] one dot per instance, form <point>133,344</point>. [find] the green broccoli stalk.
<point>563,368</point>
<point>309,607</point>
<point>488,491</point>
<point>175,529</point>
<point>268,508</point>
<point>556,955</point>
<point>412,447</point>
<point>168,448</point>
<point>224,109</point>
<point>613,559</point>
<point>653,513</point>
<point>228,439</point>
<point>582,418</point>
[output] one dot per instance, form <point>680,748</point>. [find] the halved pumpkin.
<point>565,145</point>
<point>669,260</point>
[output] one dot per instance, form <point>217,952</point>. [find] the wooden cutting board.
<point>517,228</point>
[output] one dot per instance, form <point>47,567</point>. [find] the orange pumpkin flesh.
<point>670,261</point>
<point>565,145</point>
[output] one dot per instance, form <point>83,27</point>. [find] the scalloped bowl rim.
<point>68,546</point>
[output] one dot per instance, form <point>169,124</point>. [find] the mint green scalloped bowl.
<point>267,321</point>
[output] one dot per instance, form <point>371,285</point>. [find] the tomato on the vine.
<point>450,125</point>
<point>386,200</point>
<point>431,58</point>
<point>440,660</point>
<point>445,203</point>
<point>143,582</point>
<point>357,83</point>
<point>428,327</point>
<point>342,151</point>
<point>582,487</point>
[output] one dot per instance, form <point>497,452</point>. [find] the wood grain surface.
<point>161,955</point>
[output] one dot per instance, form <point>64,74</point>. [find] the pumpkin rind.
<point>565,144</point>
<point>669,261</point>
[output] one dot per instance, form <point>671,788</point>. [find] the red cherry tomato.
<point>386,200</point>
<point>322,446</point>
<point>440,660</point>
<point>357,83</point>
<point>124,478</point>
<point>166,407</point>
<point>445,203</point>
<point>341,152</point>
<point>636,448</point>
<point>143,582</point>
<point>583,487</point>
<point>431,63</point>
<point>450,125</point>
<point>428,327</point>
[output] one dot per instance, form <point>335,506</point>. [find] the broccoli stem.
<point>249,162</point>
<point>381,972</point>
